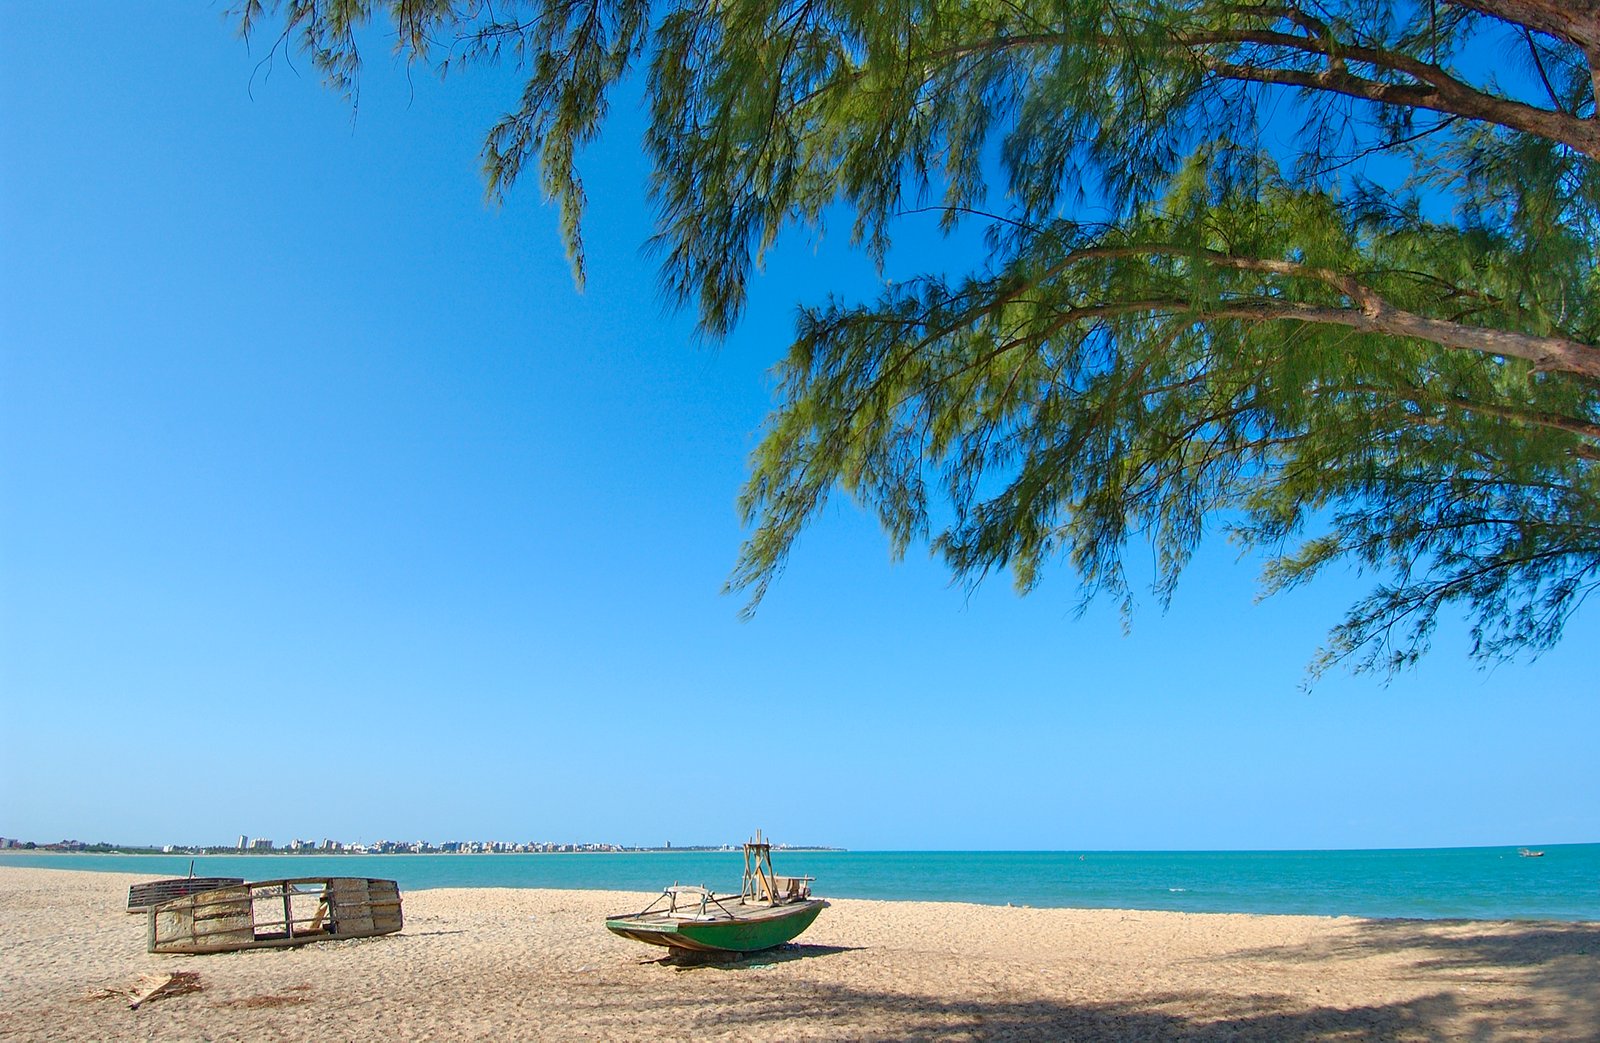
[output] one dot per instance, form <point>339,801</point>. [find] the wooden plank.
<point>156,892</point>
<point>160,986</point>
<point>172,930</point>
<point>220,897</point>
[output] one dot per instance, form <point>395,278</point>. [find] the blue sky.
<point>328,507</point>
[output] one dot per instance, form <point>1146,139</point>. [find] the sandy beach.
<point>537,964</point>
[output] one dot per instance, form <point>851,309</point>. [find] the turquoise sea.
<point>1475,883</point>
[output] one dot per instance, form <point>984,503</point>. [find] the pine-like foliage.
<point>1319,273</point>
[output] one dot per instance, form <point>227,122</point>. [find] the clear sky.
<point>328,507</point>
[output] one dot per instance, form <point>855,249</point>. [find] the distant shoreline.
<point>229,852</point>
<point>1469,884</point>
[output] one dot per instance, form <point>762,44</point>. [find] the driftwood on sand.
<point>153,987</point>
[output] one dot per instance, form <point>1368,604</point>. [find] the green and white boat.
<point>768,911</point>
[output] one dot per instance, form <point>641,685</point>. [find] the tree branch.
<point>1452,98</point>
<point>1548,354</point>
<point>1373,314</point>
<point>1533,418</point>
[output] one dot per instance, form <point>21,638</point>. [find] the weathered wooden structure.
<point>274,913</point>
<point>142,896</point>
<point>761,884</point>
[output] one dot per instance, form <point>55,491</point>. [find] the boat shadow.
<point>688,960</point>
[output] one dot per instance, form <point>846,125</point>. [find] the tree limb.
<point>1455,99</point>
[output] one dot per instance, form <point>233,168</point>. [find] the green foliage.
<point>1338,296</point>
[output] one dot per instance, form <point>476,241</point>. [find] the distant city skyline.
<point>265,845</point>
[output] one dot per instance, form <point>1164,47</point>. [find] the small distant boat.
<point>1525,853</point>
<point>768,911</point>
<point>275,913</point>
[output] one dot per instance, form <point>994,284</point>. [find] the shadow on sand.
<point>1556,968</point>
<point>832,1011</point>
<point>734,961</point>
<point>1558,964</point>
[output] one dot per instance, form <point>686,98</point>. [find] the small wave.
<point>1177,890</point>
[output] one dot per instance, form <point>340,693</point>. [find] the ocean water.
<point>1472,883</point>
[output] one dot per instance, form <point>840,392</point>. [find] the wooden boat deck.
<point>734,911</point>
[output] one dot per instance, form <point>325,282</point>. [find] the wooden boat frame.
<point>275,913</point>
<point>143,897</point>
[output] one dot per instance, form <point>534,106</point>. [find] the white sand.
<point>516,964</point>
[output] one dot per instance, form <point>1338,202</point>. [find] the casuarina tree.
<point>1319,275</point>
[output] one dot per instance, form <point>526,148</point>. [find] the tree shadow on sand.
<point>1554,971</point>
<point>838,1011</point>
<point>1451,944</point>
<point>1536,951</point>
<point>1558,963</point>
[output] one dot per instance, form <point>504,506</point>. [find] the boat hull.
<point>764,929</point>
<point>275,913</point>
<point>141,897</point>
